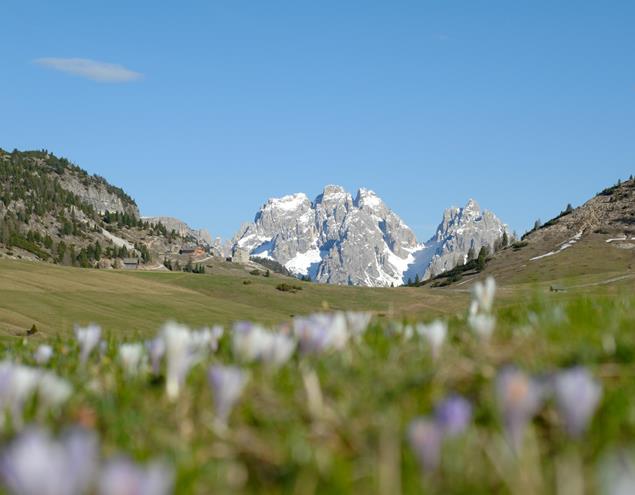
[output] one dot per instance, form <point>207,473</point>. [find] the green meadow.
<point>54,298</point>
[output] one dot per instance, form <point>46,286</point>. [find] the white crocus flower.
<point>280,349</point>
<point>252,342</point>
<point>206,339</point>
<point>482,324</point>
<point>132,358</point>
<point>53,391</point>
<point>183,349</point>
<point>21,386</point>
<point>88,338</point>
<point>178,355</point>
<point>249,341</point>
<point>435,334</point>
<point>43,354</point>
<point>483,295</point>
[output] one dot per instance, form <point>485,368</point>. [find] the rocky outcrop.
<point>201,236</point>
<point>460,230</point>
<point>95,192</point>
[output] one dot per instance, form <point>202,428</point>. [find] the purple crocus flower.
<point>227,383</point>
<point>519,398</point>
<point>577,397</point>
<point>121,476</point>
<point>425,437</point>
<point>156,351</point>
<point>36,464</point>
<point>453,415</point>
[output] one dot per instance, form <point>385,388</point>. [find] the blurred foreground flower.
<point>43,354</point>
<point>519,398</point>
<point>357,323</point>
<point>321,332</point>
<point>18,383</point>
<point>435,334</point>
<point>53,390</point>
<point>227,383</point>
<point>252,342</point>
<point>183,349</point>
<point>132,358</point>
<point>425,437</point>
<point>121,476</point>
<point>453,415</point>
<point>426,434</point>
<point>483,325</point>
<point>88,338</point>
<point>483,296</point>
<point>480,318</point>
<point>36,464</point>
<point>156,351</point>
<point>577,397</point>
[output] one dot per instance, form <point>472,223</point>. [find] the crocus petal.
<point>577,397</point>
<point>425,437</point>
<point>519,398</point>
<point>227,383</point>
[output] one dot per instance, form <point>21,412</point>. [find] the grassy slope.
<point>55,298</point>
<point>586,267</point>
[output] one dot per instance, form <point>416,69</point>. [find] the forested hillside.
<point>52,210</point>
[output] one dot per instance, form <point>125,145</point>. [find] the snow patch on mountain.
<point>301,263</point>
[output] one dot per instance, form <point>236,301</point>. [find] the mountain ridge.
<point>341,239</point>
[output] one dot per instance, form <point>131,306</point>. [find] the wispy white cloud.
<point>90,69</point>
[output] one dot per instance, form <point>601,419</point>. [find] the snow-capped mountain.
<point>460,230</point>
<point>359,241</point>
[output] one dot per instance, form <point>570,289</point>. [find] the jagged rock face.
<point>96,194</point>
<point>339,239</point>
<point>334,239</point>
<point>182,229</point>
<point>461,229</point>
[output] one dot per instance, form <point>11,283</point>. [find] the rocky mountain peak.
<point>460,230</point>
<point>360,241</point>
<point>289,203</point>
<point>369,199</point>
<point>333,239</point>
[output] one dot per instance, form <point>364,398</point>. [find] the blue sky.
<point>208,108</point>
